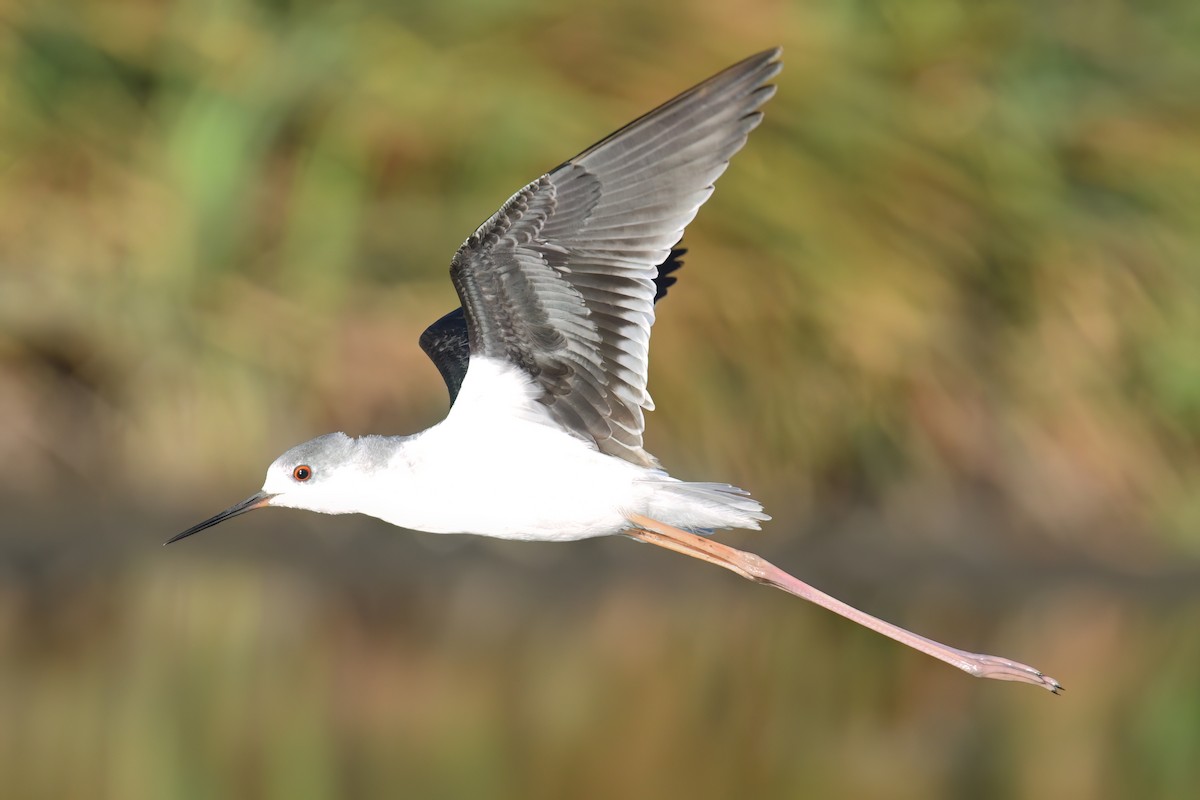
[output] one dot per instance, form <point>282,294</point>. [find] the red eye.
<point>302,472</point>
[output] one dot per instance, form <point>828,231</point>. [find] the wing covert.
<point>448,346</point>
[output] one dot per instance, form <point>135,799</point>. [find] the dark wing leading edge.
<point>560,281</point>
<point>449,348</point>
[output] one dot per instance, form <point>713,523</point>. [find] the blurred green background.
<point>941,316</point>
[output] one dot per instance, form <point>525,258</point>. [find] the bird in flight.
<point>546,365</point>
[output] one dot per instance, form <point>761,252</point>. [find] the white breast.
<point>500,466</point>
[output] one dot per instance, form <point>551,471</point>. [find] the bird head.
<point>324,474</point>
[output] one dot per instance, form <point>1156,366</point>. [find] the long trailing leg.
<point>760,570</point>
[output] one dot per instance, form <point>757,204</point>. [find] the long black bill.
<point>249,504</point>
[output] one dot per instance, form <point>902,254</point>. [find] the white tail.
<point>702,507</point>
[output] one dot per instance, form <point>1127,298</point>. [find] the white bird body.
<point>500,466</point>
<point>546,365</point>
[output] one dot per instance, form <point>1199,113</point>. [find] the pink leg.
<point>759,570</point>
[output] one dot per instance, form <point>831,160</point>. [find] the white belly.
<point>497,466</point>
<point>542,487</point>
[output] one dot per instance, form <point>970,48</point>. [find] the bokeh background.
<point>941,316</point>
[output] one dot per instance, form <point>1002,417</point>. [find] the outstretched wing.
<point>560,281</point>
<point>448,346</point>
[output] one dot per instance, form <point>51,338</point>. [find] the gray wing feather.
<point>561,280</point>
<point>448,345</point>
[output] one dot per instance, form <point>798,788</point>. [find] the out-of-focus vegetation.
<point>941,315</point>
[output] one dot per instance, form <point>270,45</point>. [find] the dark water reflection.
<point>300,656</point>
